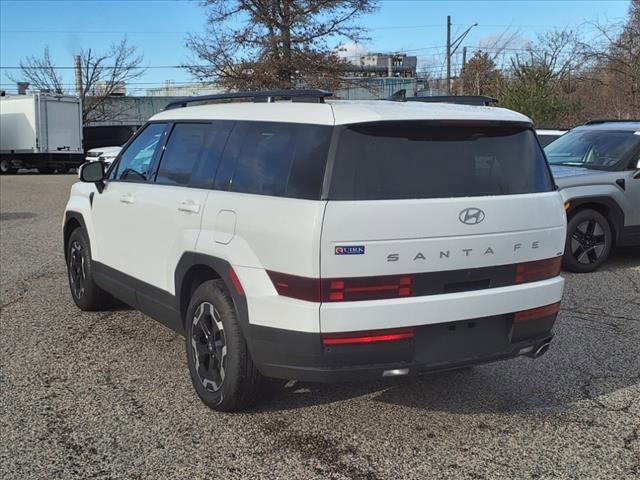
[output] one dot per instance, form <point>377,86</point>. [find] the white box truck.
<point>40,131</point>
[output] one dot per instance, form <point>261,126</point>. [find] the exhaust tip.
<point>396,372</point>
<point>541,350</point>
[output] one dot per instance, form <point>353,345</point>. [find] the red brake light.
<point>366,288</point>
<point>353,338</point>
<point>538,270</point>
<point>341,290</point>
<point>536,313</point>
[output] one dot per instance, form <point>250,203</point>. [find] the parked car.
<point>324,241</point>
<point>547,136</point>
<point>597,167</point>
<point>104,154</point>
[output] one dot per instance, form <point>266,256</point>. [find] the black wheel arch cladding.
<point>606,206</point>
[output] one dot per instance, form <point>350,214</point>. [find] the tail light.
<point>366,288</point>
<point>353,338</point>
<point>538,270</point>
<point>341,290</point>
<point>536,313</point>
<point>293,286</point>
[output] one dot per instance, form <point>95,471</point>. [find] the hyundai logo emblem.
<point>471,216</point>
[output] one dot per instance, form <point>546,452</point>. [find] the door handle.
<point>126,198</point>
<point>189,206</point>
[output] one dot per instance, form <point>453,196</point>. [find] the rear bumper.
<point>301,356</point>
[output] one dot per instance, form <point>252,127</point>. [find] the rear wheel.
<point>6,167</point>
<point>589,242</point>
<point>86,294</point>
<point>221,368</point>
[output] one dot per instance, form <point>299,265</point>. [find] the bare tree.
<point>614,63</point>
<point>541,82</point>
<point>41,73</point>
<point>103,76</point>
<point>479,75</point>
<point>259,44</point>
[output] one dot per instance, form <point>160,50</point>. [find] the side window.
<point>192,154</point>
<point>277,159</point>
<point>263,164</point>
<point>137,160</point>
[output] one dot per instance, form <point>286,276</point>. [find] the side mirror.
<point>92,172</point>
<point>637,174</point>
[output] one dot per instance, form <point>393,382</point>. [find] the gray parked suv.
<point>597,168</point>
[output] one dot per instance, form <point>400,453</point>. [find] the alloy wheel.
<point>209,346</point>
<point>77,273</point>
<point>588,241</point>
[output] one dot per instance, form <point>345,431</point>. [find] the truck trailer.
<point>42,131</point>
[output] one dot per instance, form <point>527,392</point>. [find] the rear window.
<point>403,160</point>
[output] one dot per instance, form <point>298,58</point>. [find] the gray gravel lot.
<point>107,395</point>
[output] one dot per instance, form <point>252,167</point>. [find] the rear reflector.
<point>538,270</point>
<point>536,313</point>
<point>236,281</point>
<point>352,338</point>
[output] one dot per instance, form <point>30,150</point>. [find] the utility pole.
<point>448,54</point>
<point>464,61</point>
<point>452,47</point>
<point>78,69</point>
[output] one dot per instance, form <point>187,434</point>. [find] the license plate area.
<point>462,340</point>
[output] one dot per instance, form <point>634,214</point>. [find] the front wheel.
<point>86,294</point>
<point>589,242</point>
<point>221,368</point>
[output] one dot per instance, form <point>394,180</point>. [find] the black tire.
<point>46,170</point>
<point>86,294</point>
<point>589,242</point>
<point>222,371</point>
<point>6,167</point>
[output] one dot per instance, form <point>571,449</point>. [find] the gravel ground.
<point>107,395</point>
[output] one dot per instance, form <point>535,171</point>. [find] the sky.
<point>158,28</point>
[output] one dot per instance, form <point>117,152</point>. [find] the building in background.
<point>381,65</point>
<point>173,89</point>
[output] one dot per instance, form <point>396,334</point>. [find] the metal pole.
<point>464,61</point>
<point>448,54</point>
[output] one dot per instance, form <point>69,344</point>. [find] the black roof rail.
<point>613,120</point>
<point>267,96</point>
<point>480,100</point>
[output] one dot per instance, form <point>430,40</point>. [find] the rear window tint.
<point>403,160</point>
<point>277,159</point>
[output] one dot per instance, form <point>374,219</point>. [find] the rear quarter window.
<point>404,160</point>
<point>276,159</point>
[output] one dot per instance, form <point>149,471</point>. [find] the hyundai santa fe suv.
<point>597,168</point>
<point>292,237</point>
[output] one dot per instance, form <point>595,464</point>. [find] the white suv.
<point>324,241</point>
